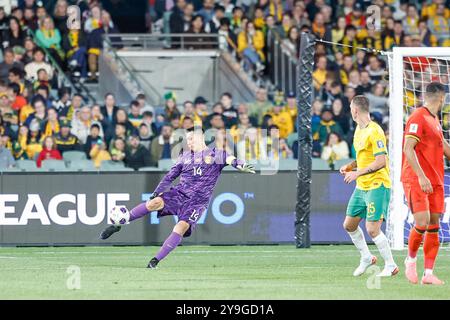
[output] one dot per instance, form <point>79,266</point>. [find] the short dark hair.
<point>15,88</point>
<point>229,95</point>
<point>193,128</point>
<point>95,125</point>
<point>361,102</point>
<point>147,114</point>
<point>134,103</point>
<point>16,71</point>
<point>434,90</point>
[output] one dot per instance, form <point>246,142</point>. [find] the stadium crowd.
<point>39,120</point>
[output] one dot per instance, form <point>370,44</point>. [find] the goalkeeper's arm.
<point>240,164</point>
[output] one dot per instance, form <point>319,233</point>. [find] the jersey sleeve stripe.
<point>412,136</point>
<point>380,153</point>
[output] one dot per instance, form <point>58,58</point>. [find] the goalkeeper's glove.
<point>248,168</point>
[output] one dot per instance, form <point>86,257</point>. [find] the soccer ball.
<point>119,215</point>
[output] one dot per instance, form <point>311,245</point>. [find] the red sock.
<point>431,245</point>
<point>415,239</point>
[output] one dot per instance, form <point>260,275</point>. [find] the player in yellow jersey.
<point>370,200</point>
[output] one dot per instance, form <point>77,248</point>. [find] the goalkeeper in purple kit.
<point>199,169</point>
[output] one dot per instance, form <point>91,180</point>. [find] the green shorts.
<point>371,204</point>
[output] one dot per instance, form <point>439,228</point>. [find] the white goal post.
<point>398,210</point>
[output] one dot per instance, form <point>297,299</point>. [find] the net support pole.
<point>304,87</point>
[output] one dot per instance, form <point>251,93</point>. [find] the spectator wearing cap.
<point>327,125</point>
<point>49,151</point>
<point>201,109</point>
<point>6,159</point>
<point>50,126</point>
<point>136,155</point>
<point>260,106</point>
<point>38,63</point>
<point>8,63</point>
<point>65,140</point>
<point>170,108</point>
<point>190,111</point>
<point>282,119</point>
<point>33,145</point>
<point>161,146</point>
<point>357,19</point>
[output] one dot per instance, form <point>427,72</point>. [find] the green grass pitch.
<point>205,272</point>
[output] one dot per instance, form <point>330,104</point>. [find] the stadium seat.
<point>288,164</point>
<point>82,165</point>
<point>54,165</point>
<point>291,139</point>
<point>319,164</point>
<point>149,169</point>
<point>340,163</point>
<point>165,164</point>
<point>26,165</point>
<point>110,165</point>
<point>70,156</point>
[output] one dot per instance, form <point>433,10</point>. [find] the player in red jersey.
<point>424,147</point>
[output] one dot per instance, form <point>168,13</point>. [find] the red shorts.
<point>419,201</point>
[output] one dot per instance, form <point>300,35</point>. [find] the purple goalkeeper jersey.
<point>198,174</point>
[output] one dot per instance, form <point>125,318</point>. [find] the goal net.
<point>410,70</point>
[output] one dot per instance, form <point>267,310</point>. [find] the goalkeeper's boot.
<point>153,264</point>
<point>108,232</point>
<point>363,265</point>
<point>389,271</point>
<point>411,270</point>
<point>431,279</point>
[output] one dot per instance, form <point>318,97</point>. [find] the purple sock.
<point>138,212</point>
<point>171,243</point>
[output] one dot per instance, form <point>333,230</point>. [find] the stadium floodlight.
<point>410,70</point>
